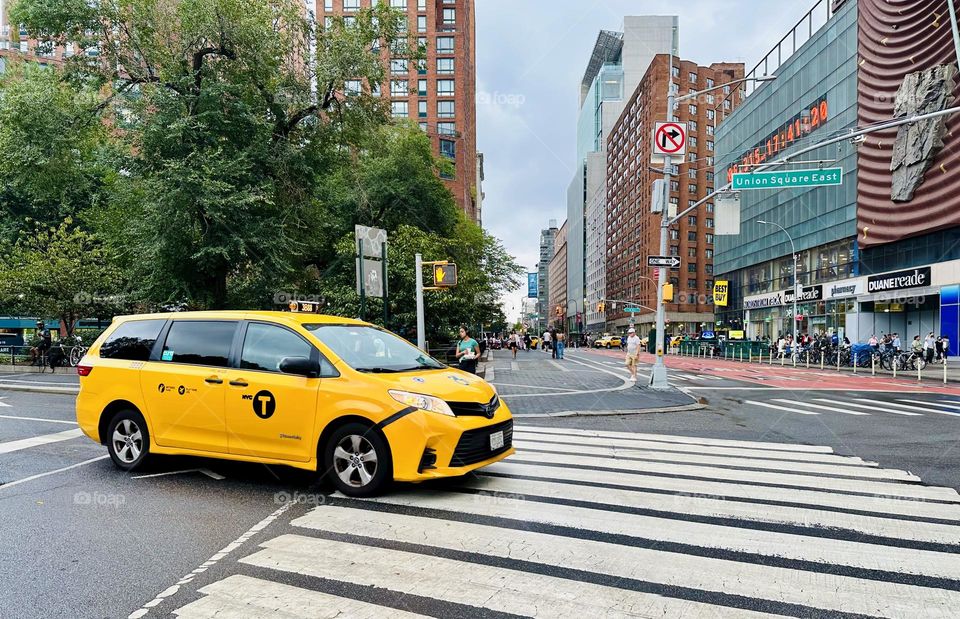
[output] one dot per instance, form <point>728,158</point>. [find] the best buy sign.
<point>788,178</point>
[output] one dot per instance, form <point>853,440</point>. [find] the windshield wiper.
<point>379,370</point>
<point>422,366</point>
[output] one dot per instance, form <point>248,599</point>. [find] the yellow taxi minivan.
<point>342,397</point>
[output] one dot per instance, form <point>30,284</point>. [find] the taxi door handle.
<point>239,383</point>
<point>213,380</point>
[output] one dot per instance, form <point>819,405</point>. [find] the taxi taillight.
<point>84,370</point>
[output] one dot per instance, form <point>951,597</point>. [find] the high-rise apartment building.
<point>633,231</point>
<point>547,237</point>
<point>439,93</point>
<point>558,279</point>
<point>15,43</point>
<point>617,63</point>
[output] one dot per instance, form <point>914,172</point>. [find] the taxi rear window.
<point>132,340</point>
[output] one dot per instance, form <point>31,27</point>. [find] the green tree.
<point>61,272</point>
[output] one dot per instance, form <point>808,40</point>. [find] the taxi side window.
<point>132,340</point>
<point>265,346</point>
<point>199,342</point>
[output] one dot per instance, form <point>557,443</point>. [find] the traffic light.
<point>601,307</point>
<point>668,293</point>
<point>559,312</point>
<point>445,275</point>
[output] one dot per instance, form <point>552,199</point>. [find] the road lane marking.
<point>779,408</point>
<point>514,366</point>
<point>35,441</point>
<point>245,596</point>
<point>872,407</point>
<point>48,473</point>
<point>925,409</point>
<point>559,366</point>
<point>819,406</point>
<point>71,423</point>
<point>536,387</point>
<point>940,404</point>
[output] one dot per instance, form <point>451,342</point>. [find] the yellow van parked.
<point>338,396</point>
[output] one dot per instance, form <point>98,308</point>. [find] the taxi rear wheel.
<point>357,460</point>
<point>128,440</point>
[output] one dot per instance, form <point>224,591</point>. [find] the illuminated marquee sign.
<point>801,125</point>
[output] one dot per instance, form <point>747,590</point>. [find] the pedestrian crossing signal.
<point>445,275</point>
<point>668,293</point>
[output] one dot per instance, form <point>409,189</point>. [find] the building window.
<point>711,114</point>
<point>423,127</point>
<point>709,144</point>
<point>691,157</point>
<point>447,128</point>
<point>709,269</point>
<point>693,110</point>
<point>692,125</point>
<point>692,174</point>
<point>674,186</point>
<point>709,177</point>
<point>351,5</point>
<point>691,252</point>
<point>352,87</point>
<point>709,207</point>
<point>400,109</point>
<point>726,104</point>
<point>422,66</point>
<point>710,130</point>
<point>674,235</point>
<point>709,223</point>
<point>399,4</point>
<point>446,109</point>
<point>376,89</point>
<point>710,239</point>
<point>444,45</point>
<point>691,267</point>
<point>692,284</point>
<point>708,253</point>
<point>328,5</point>
<point>674,250</point>
<point>445,66</point>
<point>448,148</point>
<point>710,83</point>
<point>421,108</point>
<point>422,88</point>
<point>693,78</point>
<point>675,71</point>
<point>692,220</point>
<point>445,88</point>
<point>692,141</point>
<point>709,284</point>
<point>421,23</point>
<point>690,203</point>
<point>692,236</point>
<point>726,90</point>
<point>449,16</point>
<point>399,88</point>
<point>691,188</point>
<point>398,66</point>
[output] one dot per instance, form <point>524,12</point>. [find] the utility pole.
<point>796,287</point>
<point>421,329</point>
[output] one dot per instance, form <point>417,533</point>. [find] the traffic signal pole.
<point>421,329</point>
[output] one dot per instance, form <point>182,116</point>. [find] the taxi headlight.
<point>422,402</point>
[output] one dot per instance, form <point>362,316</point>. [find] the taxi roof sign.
<point>304,307</point>
<point>445,275</point>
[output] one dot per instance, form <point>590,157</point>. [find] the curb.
<point>38,389</point>
<point>669,409</point>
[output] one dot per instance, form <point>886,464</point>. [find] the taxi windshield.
<point>368,349</point>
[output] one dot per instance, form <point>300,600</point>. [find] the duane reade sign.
<point>899,280</point>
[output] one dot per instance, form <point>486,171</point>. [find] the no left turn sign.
<point>670,139</point>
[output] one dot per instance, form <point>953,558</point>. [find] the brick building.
<point>440,94</point>
<point>633,232</point>
<point>14,43</point>
<point>558,279</point>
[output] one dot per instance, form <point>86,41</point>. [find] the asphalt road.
<point>82,539</point>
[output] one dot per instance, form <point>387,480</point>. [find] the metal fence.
<point>22,357</point>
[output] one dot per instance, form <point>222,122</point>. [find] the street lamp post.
<point>658,374</point>
<point>796,290</point>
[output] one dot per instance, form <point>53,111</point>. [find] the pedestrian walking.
<point>468,351</point>
<point>938,346</point>
<point>897,344</point>
<point>547,344</point>
<point>561,344</point>
<point>553,339</point>
<point>929,346</point>
<point>633,353</point>
<point>527,341</point>
<point>514,343</point>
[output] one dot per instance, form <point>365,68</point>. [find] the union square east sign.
<point>786,179</point>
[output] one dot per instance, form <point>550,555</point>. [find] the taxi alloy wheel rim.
<point>355,460</point>
<point>127,441</point>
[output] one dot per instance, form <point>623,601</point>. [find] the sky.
<point>531,55</point>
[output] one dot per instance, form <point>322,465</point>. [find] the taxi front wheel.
<point>128,440</point>
<point>357,460</point>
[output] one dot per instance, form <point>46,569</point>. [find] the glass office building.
<point>813,98</point>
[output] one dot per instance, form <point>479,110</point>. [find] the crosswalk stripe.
<point>944,403</point>
<point>43,439</point>
<point>718,508</point>
<point>881,487</point>
<point>934,404</point>
<point>785,409</point>
<point>560,367</point>
<point>819,406</point>
<point>670,438</point>
<point>15,417</point>
<point>617,454</point>
<point>927,507</point>
<point>849,552</point>
<point>520,433</point>
<point>925,409</point>
<point>499,589</point>
<point>871,407</point>
<point>620,561</point>
<point>255,598</point>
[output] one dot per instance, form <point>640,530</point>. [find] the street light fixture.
<point>658,374</point>
<point>796,290</point>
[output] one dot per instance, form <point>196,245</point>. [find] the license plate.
<point>496,440</point>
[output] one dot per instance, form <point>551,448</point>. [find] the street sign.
<point>672,262</point>
<point>445,275</point>
<point>721,289</point>
<point>727,219</point>
<point>371,240</point>
<point>659,197</point>
<point>633,310</point>
<point>788,178</point>
<point>670,139</point>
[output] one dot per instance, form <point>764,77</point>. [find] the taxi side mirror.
<point>300,366</point>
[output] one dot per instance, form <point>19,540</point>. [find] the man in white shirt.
<point>633,353</point>
<point>547,344</point>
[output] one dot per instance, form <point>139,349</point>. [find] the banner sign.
<point>899,280</point>
<point>721,290</point>
<point>846,288</point>
<point>533,285</point>
<point>808,293</point>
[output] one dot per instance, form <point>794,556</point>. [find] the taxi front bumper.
<point>427,445</point>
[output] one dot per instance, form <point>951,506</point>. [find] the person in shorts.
<point>633,353</point>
